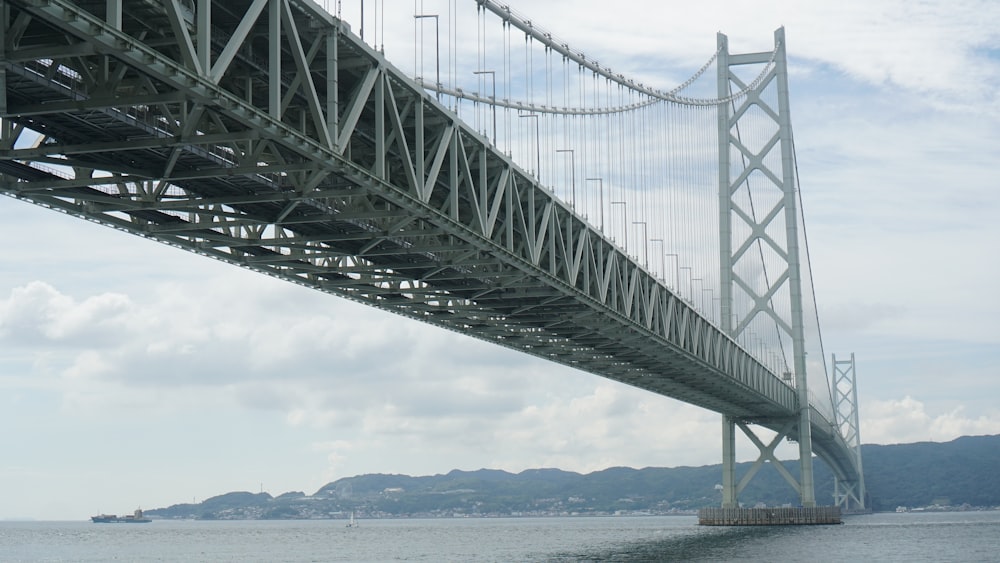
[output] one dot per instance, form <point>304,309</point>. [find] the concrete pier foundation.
<point>801,516</point>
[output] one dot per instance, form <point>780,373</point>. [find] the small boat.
<point>134,518</point>
<point>352,523</point>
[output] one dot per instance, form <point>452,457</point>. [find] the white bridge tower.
<point>758,222</point>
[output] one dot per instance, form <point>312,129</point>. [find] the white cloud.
<point>38,312</point>
<point>906,420</point>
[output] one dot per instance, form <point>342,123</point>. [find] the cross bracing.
<point>265,134</point>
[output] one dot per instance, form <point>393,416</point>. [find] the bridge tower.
<point>849,495</point>
<point>758,223</point>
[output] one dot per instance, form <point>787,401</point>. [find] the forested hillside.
<point>960,472</point>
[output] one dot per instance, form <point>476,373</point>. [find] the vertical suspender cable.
<point>417,68</point>
<point>477,108</point>
<point>506,87</point>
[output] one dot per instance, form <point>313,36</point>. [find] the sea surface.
<point>953,536</point>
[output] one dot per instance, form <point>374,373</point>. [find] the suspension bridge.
<point>528,196</point>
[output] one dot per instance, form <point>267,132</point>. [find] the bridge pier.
<point>769,516</point>
<point>729,491</point>
<point>807,490</point>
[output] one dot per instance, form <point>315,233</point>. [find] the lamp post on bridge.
<point>663,260</point>
<point>758,346</point>
<point>493,77</point>
<point>645,246</point>
<point>690,275</point>
<point>691,287</point>
<point>624,221</point>
<point>538,153</point>
<point>600,188</point>
<point>572,172</point>
<point>711,300</point>
<point>437,50</point>
<point>677,271</point>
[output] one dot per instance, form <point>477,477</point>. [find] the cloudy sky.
<point>134,374</point>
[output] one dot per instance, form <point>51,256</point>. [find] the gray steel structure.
<point>756,218</point>
<point>265,134</point>
<point>849,495</point>
<point>757,235</point>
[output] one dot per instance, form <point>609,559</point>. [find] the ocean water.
<point>956,536</point>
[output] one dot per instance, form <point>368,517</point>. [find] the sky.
<point>136,374</point>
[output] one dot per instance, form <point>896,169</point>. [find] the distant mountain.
<point>963,471</point>
<point>955,473</point>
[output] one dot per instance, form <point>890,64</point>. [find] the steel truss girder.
<point>266,135</point>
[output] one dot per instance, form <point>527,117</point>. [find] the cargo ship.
<point>134,518</point>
